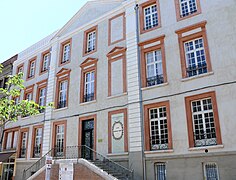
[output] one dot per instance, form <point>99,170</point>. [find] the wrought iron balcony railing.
<point>205,139</point>
<point>195,70</point>
<point>158,146</point>
<point>37,151</point>
<point>22,152</point>
<point>76,152</point>
<point>61,104</point>
<point>88,97</point>
<point>155,80</point>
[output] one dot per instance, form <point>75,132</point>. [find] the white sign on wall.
<point>66,171</point>
<point>117,132</point>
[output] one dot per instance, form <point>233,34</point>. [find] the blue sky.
<point>24,22</point>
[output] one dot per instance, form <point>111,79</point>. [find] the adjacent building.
<point>148,83</point>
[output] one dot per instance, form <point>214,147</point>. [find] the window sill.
<point>116,96</point>
<point>159,151</point>
<point>198,76</point>
<point>60,109</point>
<point>206,147</point>
<point>117,154</point>
<point>156,86</point>
<point>86,103</point>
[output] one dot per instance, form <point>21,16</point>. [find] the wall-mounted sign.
<point>117,130</point>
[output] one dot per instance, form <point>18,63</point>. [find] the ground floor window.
<point>160,171</point>
<point>211,171</point>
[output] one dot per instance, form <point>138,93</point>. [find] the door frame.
<point>81,119</point>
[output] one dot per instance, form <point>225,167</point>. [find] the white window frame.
<point>89,83</point>
<point>60,141</point>
<point>46,60</point>
<point>205,170</point>
<point>42,96</point>
<point>38,140</point>
<point>157,175</point>
<point>195,51</point>
<point>202,113</point>
<point>152,15</point>
<point>158,146</point>
<point>63,91</point>
<point>29,96</point>
<point>15,140</point>
<point>32,69</point>
<point>91,41</point>
<point>9,140</point>
<point>188,7</point>
<point>66,53</point>
<point>155,62</point>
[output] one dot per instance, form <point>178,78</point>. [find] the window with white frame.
<point>42,96</point>
<point>203,122</point>
<point>15,139</point>
<point>66,53</point>
<point>9,140</point>
<point>62,94</point>
<point>158,128</point>
<point>195,57</point>
<point>23,144</point>
<point>150,17</point>
<point>89,86</point>
<point>91,41</point>
<point>20,70</point>
<point>28,96</point>
<point>187,7</point>
<point>59,140</point>
<point>32,69</point>
<point>160,171</point>
<point>154,68</point>
<point>17,99</point>
<point>37,140</point>
<point>211,171</point>
<point>46,61</point>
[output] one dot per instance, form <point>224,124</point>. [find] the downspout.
<point>140,91</point>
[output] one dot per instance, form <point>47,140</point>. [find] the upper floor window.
<point>45,61</point>
<point>187,8</point>
<point>63,77</point>
<point>31,68</point>
<point>89,86</point>
<point>195,58</point>
<point>149,15</point>
<point>157,126</point>
<point>153,62</point>
<point>20,68</point>
<point>62,94</point>
<point>41,93</point>
<point>28,94</point>
<point>88,80</point>
<point>65,51</point>
<point>203,122</point>
<point>90,41</point>
<point>160,171</point>
<point>211,171</point>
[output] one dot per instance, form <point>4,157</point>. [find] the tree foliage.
<point>11,110</point>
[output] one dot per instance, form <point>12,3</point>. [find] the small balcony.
<point>88,97</point>
<point>196,69</point>
<point>155,80</point>
<point>37,151</point>
<point>61,104</point>
<point>156,145</point>
<point>22,152</point>
<point>204,139</point>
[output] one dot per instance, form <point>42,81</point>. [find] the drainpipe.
<point>136,8</point>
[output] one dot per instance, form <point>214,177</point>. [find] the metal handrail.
<point>83,151</point>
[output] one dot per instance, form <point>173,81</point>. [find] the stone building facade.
<point>150,82</point>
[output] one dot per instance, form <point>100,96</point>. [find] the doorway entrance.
<point>88,137</point>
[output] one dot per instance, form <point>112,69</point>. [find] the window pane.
<point>160,169</point>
